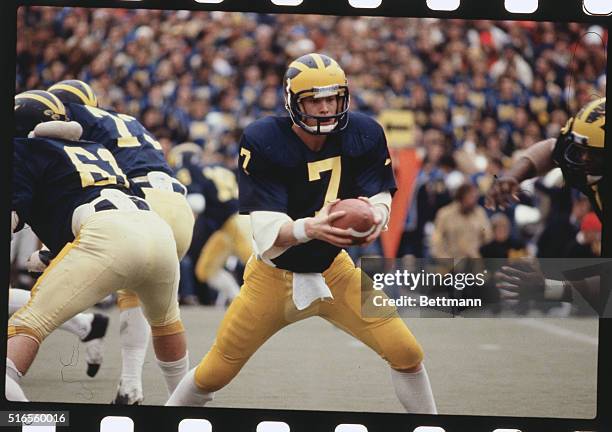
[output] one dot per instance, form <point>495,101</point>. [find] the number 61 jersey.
<point>52,177</point>
<point>279,173</point>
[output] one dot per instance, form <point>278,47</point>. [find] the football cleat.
<point>133,397</point>
<point>94,344</point>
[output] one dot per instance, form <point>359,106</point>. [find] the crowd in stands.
<point>479,92</point>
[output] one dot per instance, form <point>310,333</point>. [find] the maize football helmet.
<point>579,150</point>
<point>36,106</point>
<point>74,91</point>
<point>317,76</point>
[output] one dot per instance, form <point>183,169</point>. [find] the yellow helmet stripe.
<point>57,100</point>
<point>92,96</point>
<point>300,66</point>
<point>318,60</point>
<point>75,91</point>
<point>58,109</point>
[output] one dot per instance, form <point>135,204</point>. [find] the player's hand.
<point>38,262</point>
<point>320,228</point>
<point>523,278</point>
<point>378,220</point>
<point>503,193</point>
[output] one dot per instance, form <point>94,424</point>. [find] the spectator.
<point>462,227</point>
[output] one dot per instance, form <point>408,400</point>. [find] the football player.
<point>75,198</point>
<point>578,151</point>
<point>141,158</point>
<point>292,169</point>
<point>218,232</point>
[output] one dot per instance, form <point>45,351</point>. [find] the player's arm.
<point>376,182</point>
<point>525,279</point>
<point>275,232</point>
<point>535,161</point>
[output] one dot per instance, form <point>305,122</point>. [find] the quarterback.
<point>76,199</point>
<point>140,157</point>
<point>291,170</point>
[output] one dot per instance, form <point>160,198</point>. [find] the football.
<point>359,218</point>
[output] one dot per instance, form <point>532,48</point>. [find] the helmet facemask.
<point>583,163</point>
<point>300,117</point>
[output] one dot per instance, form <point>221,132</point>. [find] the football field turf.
<point>504,367</point>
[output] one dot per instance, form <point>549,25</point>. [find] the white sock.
<point>80,324</point>
<point>134,334</point>
<point>187,393</point>
<point>414,391</point>
<point>17,299</point>
<point>224,282</point>
<point>174,371</point>
<point>13,390</point>
<point>12,371</point>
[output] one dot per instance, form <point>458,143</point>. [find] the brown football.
<point>359,218</point>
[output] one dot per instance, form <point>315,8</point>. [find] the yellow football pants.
<point>114,249</point>
<point>265,305</point>
<point>174,209</point>
<point>229,239</point>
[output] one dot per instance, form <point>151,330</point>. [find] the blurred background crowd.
<point>474,93</point>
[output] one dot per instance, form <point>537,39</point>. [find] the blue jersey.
<point>135,149</point>
<point>279,173</point>
<point>219,187</point>
<point>52,177</point>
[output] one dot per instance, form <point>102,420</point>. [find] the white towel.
<point>308,287</point>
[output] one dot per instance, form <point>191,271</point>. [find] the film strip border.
<point>139,419</point>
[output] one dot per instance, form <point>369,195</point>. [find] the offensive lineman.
<point>142,160</point>
<point>292,169</point>
<point>72,194</point>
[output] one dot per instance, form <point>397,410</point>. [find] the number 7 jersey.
<point>279,173</point>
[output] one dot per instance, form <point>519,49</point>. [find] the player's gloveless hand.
<point>377,220</point>
<point>503,193</point>
<point>320,228</point>
<point>523,278</point>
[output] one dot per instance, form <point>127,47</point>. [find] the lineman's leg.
<point>261,309</point>
<point>158,294</point>
<point>134,335</point>
<point>75,280</point>
<point>239,228</point>
<point>388,335</point>
<point>88,327</point>
<point>209,267</point>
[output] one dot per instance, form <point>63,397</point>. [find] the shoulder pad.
<point>362,135</point>
<point>272,141</point>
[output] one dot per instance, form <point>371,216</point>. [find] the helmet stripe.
<point>58,109</point>
<point>318,61</point>
<point>57,100</point>
<point>92,96</point>
<point>75,91</point>
<point>300,66</point>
